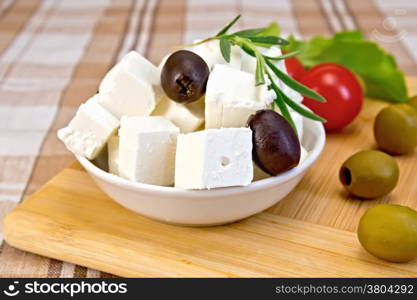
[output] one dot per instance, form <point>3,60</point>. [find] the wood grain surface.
<point>310,233</point>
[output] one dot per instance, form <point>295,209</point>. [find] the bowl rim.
<point>314,153</point>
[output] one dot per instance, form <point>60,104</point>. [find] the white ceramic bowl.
<point>208,207</point>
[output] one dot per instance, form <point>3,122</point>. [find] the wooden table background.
<point>53,54</point>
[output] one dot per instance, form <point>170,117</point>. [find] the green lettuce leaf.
<point>376,67</point>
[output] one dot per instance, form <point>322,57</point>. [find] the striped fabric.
<point>53,54</point>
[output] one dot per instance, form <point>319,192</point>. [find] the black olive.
<point>276,147</point>
<point>184,76</point>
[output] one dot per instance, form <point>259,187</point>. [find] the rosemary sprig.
<point>249,32</point>
<point>279,101</point>
<point>225,48</point>
<point>284,56</point>
<point>249,40</point>
<point>294,83</point>
<point>273,40</point>
<point>227,27</point>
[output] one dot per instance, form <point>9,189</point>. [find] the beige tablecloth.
<point>53,54</point>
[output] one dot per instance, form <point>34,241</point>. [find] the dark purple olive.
<point>276,147</point>
<point>184,76</point>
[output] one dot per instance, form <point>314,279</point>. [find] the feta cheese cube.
<point>89,130</point>
<point>214,158</point>
<point>249,65</point>
<point>210,52</point>
<point>113,154</point>
<point>147,149</point>
<point>231,97</point>
<point>188,117</point>
<point>128,88</point>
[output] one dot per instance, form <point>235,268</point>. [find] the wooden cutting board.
<point>310,233</point>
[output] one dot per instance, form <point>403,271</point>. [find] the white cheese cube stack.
<point>128,88</point>
<point>147,149</point>
<point>89,130</point>
<point>113,154</point>
<point>214,158</point>
<point>187,117</point>
<point>231,97</point>
<point>211,54</point>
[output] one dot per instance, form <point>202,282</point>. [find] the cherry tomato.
<point>294,68</point>
<point>342,90</point>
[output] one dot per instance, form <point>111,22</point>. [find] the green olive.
<point>369,174</point>
<point>413,101</point>
<point>395,129</point>
<point>389,232</point>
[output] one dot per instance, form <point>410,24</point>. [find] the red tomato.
<point>294,68</point>
<point>342,90</point>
